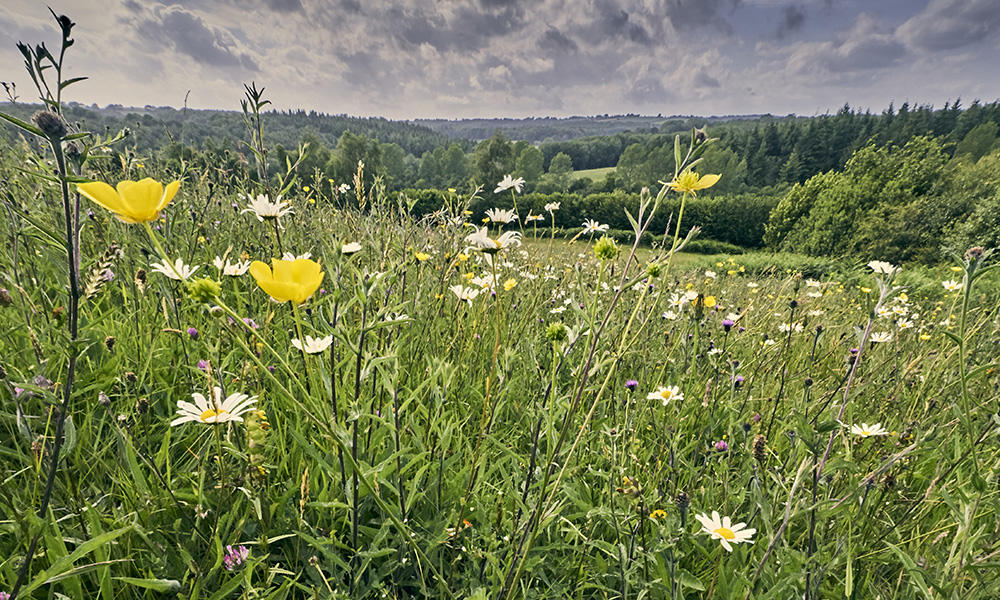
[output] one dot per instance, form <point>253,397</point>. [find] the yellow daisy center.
<point>725,533</point>
<point>666,394</point>
<point>213,412</point>
<point>865,432</point>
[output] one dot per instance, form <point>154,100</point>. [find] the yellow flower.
<point>509,284</point>
<point>690,182</point>
<point>422,256</point>
<point>293,280</point>
<point>132,201</point>
<point>305,188</point>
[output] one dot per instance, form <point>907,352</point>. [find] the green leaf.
<point>157,585</point>
<point>76,136</point>
<point>70,82</point>
<point>25,126</point>
<point>953,337</point>
<point>64,564</point>
<point>689,580</point>
<point>677,153</point>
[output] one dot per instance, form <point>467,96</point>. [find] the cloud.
<point>865,46</point>
<point>690,15</point>
<point>188,34</point>
<point>792,19</point>
<point>951,24</point>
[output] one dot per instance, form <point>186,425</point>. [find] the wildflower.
<point>216,411</point>
<point>509,182</point>
<point>658,514</point>
<point>721,446</point>
<point>464,293</point>
<point>760,448</point>
<point>482,241</point>
<point>690,182</point>
<point>710,274</point>
<point>556,332</point>
<point>313,345</point>
<point>727,324</point>
<point>203,365</point>
<point>193,333</point>
<point>288,280</point>
<point>132,201</point>
<point>606,249</point>
<point>421,256</point>
<point>786,327</point>
<point>666,394</point>
<point>509,284</point>
<point>290,256</point>
<point>263,208</point>
<point>531,218</point>
<point>557,310</point>
<point>350,248</point>
<point>235,557</point>
<point>631,385</point>
<point>737,381</point>
<point>724,530</point>
<point>866,430</point>
<point>881,337</point>
<point>951,285</point>
<point>552,206</point>
<point>499,215</point>
<point>176,270</point>
<point>592,226</point>
<point>881,267</point>
<point>5,298</point>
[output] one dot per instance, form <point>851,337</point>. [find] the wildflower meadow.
<point>214,388</point>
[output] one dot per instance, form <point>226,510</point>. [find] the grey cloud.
<point>687,15</point>
<point>951,24</point>
<point>285,6</point>
<point>469,30</point>
<point>556,43</point>
<point>189,34</point>
<point>613,22</point>
<point>792,19</point>
<point>646,90</point>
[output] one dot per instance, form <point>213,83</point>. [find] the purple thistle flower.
<point>727,324</point>
<point>631,385</point>
<point>721,446</point>
<point>271,369</point>
<point>203,366</point>
<point>193,333</point>
<point>756,417</point>
<point>737,381</point>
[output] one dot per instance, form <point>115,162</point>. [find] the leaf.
<point>677,154</point>
<point>953,337</point>
<point>70,82</point>
<point>64,564</point>
<point>690,580</point>
<point>912,569</point>
<point>25,126</point>
<point>157,585</point>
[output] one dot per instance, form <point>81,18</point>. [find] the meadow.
<point>214,392</point>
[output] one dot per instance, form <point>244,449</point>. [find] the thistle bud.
<point>760,448</point>
<point>51,124</point>
<point>682,501</point>
<point>109,343</point>
<point>142,406</point>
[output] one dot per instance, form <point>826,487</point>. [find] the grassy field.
<point>207,393</point>
<point>592,174</point>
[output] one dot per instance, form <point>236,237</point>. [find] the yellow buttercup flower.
<point>288,280</point>
<point>132,201</point>
<point>691,182</point>
<point>421,256</point>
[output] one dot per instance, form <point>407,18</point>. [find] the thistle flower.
<point>631,385</point>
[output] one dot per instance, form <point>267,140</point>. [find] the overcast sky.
<point>408,59</point>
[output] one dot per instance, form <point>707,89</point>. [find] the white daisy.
<point>881,337</point>
<point>313,345</point>
<point>464,293</point>
<point>881,267</point>
<point>509,182</point>
<point>952,285</point>
<point>666,394</point>
<point>176,270</point>
<point>350,248</point>
<point>263,208</point>
<point>215,411</point>
<point>499,215</point>
<point>866,430</point>
<point>724,530</point>
<point>552,206</point>
<point>592,226</point>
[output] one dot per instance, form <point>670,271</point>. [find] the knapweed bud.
<point>606,249</point>
<point>556,332</point>
<point>760,448</point>
<point>109,343</point>
<point>974,253</point>
<point>203,290</point>
<point>5,298</point>
<point>50,123</point>
<point>140,280</point>
<point>142,406</point>
<point>682,501</point>
<point>700,136</point>
<point>727,324</point>
<point>721,446</point>
<point>130,377</point>
<point>631,385</point>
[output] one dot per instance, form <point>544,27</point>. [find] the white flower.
<point>812,283</point>
<point>394,317</point>
<point>313,345</point>
<point>881,337</point>
<point>904,323</point>
<point>350,248</point>
<point>951,285</point>
<point>666,394</point>
<point>265,209</point>
<point>710,274</point>
<point>509,182</point>
<point>290,256</point>
<point>815,294</point>
<point>866,430</point>
<point>216,411</point>
<point>669,315</point>
<point>882,267</point>
<point>499,215</point>
<point>464,293</point>
<point>557,310</point>
<point>531,218</point>
<point>724,530</point>
<point>344,188</point>
<point>552,207</point>
<point>481,240</point>
<point>752,284</point>
<point>786,327</point>
<point>815,313</point>
<point>592,226</point>
<point>177,270</point>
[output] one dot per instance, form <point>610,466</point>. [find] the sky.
<point>410,59</point>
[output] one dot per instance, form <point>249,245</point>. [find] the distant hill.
<point>541,129</point>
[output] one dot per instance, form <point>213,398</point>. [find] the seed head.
<point>50,123</point>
